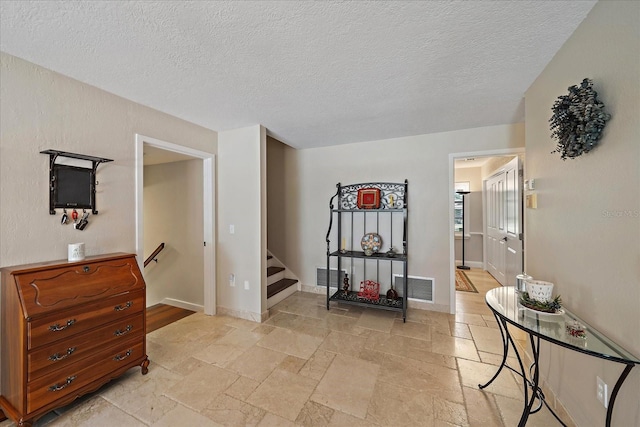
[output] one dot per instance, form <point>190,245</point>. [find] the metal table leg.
<point>505,351</point>
<point>615,391</point>
<point>534,374</point>
<point>534,383</point>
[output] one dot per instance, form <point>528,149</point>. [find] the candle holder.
<point>343,246</point>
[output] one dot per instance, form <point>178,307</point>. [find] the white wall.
<point>173,215</point>
<point>585,234</point>
<point>312,175</point>
<point>41,109</point>
<point>242,203</point>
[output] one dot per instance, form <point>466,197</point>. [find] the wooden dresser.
<point>67,329</point>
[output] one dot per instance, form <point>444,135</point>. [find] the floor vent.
<point>321,276</point>
<point>418,288</point>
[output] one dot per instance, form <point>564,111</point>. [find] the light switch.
<point>232,229</point>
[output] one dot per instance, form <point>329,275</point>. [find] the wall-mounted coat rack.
<point>72,187</point>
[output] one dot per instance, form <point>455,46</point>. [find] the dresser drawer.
<point>88,316</point>
<point>68,328</point>
<point>60,288</point>
<point>63,382</point>
<point>64,353</point>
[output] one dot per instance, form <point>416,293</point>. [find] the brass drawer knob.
<point>121,357</point>
<point>58,387</point>
<point>57,327</point>
<point>123,307</point>
<point>57,357</point>
<point>121,332</point>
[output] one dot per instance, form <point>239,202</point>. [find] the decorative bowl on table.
<point>552,306</point>
<point>539,290</point>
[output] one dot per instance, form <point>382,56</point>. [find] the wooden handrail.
<point>155,253</point>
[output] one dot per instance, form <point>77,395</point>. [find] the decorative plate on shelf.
<point>368,198</point>
<point>371,243</point>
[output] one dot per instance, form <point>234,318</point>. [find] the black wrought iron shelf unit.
<point>348,224</point>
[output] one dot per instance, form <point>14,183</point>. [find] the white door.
<point>513,255</point>
<point>496,227</point>
<point>504,223</point>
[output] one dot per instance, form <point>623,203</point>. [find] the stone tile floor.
<point>307,366</point>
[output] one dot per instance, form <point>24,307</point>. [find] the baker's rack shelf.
<point>348,222</point>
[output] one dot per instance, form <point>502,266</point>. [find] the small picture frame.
<point>368,198</point>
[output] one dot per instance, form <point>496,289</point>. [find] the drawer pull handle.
<point>123,307</point>
<point>85,268</point>
<point>57,387</point>
<point>120,358</point>
<point>57,327</point>
<point>57,357</point>
<point>120,332</point>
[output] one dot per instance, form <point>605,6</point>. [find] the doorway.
<point>478,168</point>
<point>208,208</point>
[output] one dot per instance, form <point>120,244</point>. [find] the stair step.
<point>274,270</point>
<point>279,286</point>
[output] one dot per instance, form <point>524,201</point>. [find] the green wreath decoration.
<point>577,121</point>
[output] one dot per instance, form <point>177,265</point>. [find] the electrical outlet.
<point>601,392</point>
<point>232,280</point>
<point>246,285</point>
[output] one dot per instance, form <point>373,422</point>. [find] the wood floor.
<point>161,315</point>
<point>473,303</point>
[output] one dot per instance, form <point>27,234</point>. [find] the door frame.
<point>208,196</point>
<point>452,252</point>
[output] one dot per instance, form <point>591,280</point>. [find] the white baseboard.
<point>182,304</point>
<point>242,314</point>
<point>472,264</point>
<point>416,304</point>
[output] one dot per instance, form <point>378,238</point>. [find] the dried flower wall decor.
<point>577,121</point>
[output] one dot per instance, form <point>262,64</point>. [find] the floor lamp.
<point>463,267</point>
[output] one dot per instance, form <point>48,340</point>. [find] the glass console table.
<point>549,327</point>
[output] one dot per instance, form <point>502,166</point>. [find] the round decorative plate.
<point>371,242</point>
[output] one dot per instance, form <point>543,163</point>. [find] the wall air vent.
<point>321,277</point>
<point>418,288</point>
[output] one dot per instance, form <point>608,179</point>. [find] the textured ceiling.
<point>313,73</point>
